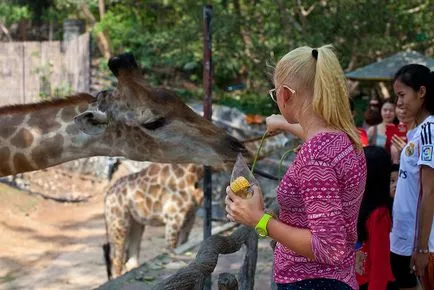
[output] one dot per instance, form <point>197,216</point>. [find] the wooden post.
<point>207,111</point>
<point>248,270</point>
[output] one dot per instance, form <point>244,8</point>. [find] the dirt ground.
<point>50,245</point>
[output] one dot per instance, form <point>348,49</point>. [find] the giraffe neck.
<point>45,136</point>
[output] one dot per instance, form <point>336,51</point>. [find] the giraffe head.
<point>153,124</point>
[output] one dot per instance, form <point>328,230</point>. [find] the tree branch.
<point>5,31</point>
<point>193,276</point>
<point>103,41</point>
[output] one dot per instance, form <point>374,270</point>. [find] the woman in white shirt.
<point>412,236</point>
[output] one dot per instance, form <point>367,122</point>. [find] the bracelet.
<point>423,251</point>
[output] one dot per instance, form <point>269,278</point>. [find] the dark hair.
<point>395,168</point>
<point>372,117</point>
<point>391,101</point>
<point>377,189</point>
<point>416,76</point>
<point>380,102</point>
<point>388,101</point>
<point>352,107</point>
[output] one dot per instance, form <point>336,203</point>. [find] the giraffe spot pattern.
<point>7,130</point>
<point>5,153</point>
<point>21,163</point>
<point>72,130</point>
<point>179,171</point>
<point>139,195</point>
<point>44,122</point>
<point>49,148</point>
<point>148,202</point>
<point>23,139</point>
<point>155,196</point>
<point>141,209</point>
<point>154,190</point>
<point>153,170</point>
<point>191,179</point>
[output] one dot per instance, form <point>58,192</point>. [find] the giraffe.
<point>161,194</point>
<point>134,121</point>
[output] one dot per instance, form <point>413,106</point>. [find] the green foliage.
<point>249,102</point>
<point>47,91</point>
<point>11,13</point>
<point>249,36</point>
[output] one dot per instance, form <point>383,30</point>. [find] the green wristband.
<point>261,227</point>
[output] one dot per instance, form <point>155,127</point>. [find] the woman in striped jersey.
<point>412,236</point>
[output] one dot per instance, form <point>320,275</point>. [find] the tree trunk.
<point>247,271</point>
<point>102,39</point>
<point>23,30</point>
<point>5,31</point>
<point>101,7</point>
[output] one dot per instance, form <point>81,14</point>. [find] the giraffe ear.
<point>91,122</point>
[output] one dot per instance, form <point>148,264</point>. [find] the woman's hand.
<point>395,154</point>
<point>245,211</point>
<point>418,264</point>
<point>398,143</point>
<point>275,123</point>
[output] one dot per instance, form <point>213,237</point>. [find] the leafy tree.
<point>249,36</point>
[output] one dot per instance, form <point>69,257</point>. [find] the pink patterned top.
<point>322,191</point>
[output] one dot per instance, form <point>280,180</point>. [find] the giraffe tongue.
<point>122,61</point>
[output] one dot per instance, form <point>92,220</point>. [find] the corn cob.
<point>240,186</point>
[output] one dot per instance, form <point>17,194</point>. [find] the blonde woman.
<point>320,195</point>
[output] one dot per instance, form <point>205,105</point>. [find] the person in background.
<point>412,235</point>
<point>377,134</point>
<point>320,195</point>
<point>372,115</point>
<point>362,132</point>
<point>398,142</point>
<point>373,270</point>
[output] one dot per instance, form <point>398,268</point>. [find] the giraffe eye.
<point>158,123</point>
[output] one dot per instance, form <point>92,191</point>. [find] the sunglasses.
<point>273,93</point>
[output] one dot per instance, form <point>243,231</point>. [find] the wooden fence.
<point>30,70</point>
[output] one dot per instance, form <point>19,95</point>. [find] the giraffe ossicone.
<point>134,121</point>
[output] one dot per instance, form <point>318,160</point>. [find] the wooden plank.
<point>32,59</point>
<point>11,73</point>
<point>23,66</point>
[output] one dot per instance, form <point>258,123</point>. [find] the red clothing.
<point>373,259</point>
<point>363,137</point>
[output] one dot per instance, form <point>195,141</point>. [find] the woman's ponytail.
<point>330,94</point>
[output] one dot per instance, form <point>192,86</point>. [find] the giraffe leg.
<point>133,250</point>
<point>173,225</point>
<point>119,250</point>
<point>118,223</point>
<point>187,226</point>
